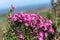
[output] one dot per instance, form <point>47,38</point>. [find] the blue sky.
<point>7,3</point>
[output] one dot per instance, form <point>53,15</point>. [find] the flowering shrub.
<point>29,26</point>
<point>26,26</point>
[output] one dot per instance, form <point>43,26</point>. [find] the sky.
<point>7,3</point>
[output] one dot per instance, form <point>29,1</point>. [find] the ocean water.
<point>26,8</point>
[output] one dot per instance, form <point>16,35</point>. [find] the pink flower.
<point>22,14</point>
<point>48,21</point>
<point>27,17</point>
<point>46,34</point>
<point>51,30</point>
<point>33,18</point>
<point>20,17</point>
<point>21,36</point>
<point>45,28</point>
<point>10,17</point>
<point>41,34</point>
<point>47,24</point>
<point>40,38</point>
<point>43,25</point>
<point>15,17</point>
<point>26,24</point>
<point>35,30</point>
<point>40,18</point>
<point>20,20</point>
<point>31,24</point>
<point>33,15</point>
<point>13,7</point>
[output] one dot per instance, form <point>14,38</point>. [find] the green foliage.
<point>10,35</point>
<point>58,24</point>
<point>49,15</point>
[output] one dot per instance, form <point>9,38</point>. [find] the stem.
<point>56,18</point>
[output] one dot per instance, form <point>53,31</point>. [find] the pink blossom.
<point>35,30</point>
<point>10,17</point>
<point>47,24</point>
<point>40,38</point>
<point>48,21</point>
<point>21,36</point>
<point>14,7</point>
<point>33,15</point>
<point>33,18</point>
<point>22,14</point>
<point>26,24</point>
<point>15,17</point>
<point>51,30</point>
<point>41,34</point>
<point>45,28</point>
<point>43,25</point>
<point>20,20</point>
<point>40,18</point>
<point>46,34</point>
<point>33,23</point>
<point>27,17</point>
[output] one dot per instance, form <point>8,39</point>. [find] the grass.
<point>43,14</point>
<point>3,18</point>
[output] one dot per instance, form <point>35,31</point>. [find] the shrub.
<point>25,26</point>
<point>29,26</point>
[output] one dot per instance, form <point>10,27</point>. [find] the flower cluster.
<point>40,26</point>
